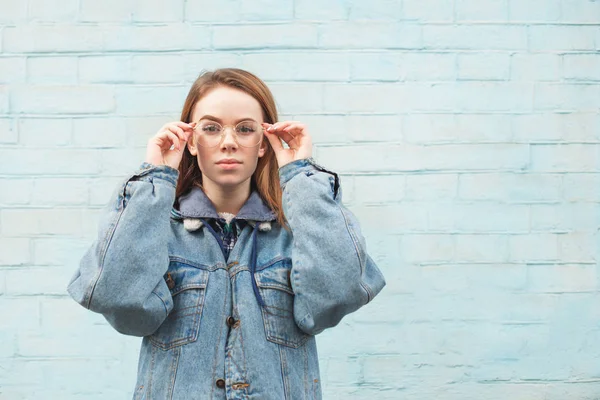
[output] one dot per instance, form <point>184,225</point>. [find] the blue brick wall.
<point>467,133</point>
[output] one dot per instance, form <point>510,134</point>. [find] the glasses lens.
<point>209,133</point>
<point>249,133</point>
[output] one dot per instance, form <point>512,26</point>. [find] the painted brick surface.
<point>466,132</point>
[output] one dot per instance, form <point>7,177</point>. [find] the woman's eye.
<point>245,129</point>
<point>210,128</point>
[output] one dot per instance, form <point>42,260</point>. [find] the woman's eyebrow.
<point>212,118</point>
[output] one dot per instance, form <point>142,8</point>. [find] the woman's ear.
<point>192,148</point>
<point>263,148</point>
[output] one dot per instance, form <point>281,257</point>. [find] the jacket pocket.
<point>187,285</point>
<point>278,314</point>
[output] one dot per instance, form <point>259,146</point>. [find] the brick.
<point>15,252</point>
<point>362,98</point>
<point>45,132</point>
<point>431,186</point>
<point>12,70</point>
<point>556,127</point>
<point>167,37</point>
<point>533,247</point>
<point>213,10</point>
<point>581,187</point>
<point>555,38</point>
<point>544,11</point>
<point>14,311</point>
<point>143,100</point>
<point>457,128</point>
<point>52,38</point>
<point>62,99</point>
<point>90,220</point>
<point>564,217</point>
<point>479,218</point>
<point>579,247</point>
<point>475,37</point>
<point>107,11</point>
<point>141,129</point>
<point>159,11</point>
<point>209,61</point>
<point>158,68</point>
<point>387,67</point>
<point>369,35</point>
<point>37,281</point>
<point>474,157</point>
<point>52,70</point>
<point>298,66</point>
<point>329,11</point>
<point>562,278</point>
<point>59,191</point>
<point>428,10</point>
<point>375,10</point>
<point>563,97</point>
<point>25,162</point>
<point>264,36</point>
<point>580,11</point>
<point>15,191</point>
<point>427,248</point>
<point>511,188</point>
<point>535,67</point>
<point>3,99</point>
<point>298,98</point>
<point>53,10</point>
<point>392,219</point>
<point>59,252</point>
<point>105,69</point>
<point>377,189</point>
<point>473,10</point>
<point>372,128</point>
<point>429,67</point>
<point>327,129</point>
<point>8,134</point>
<point>584,67</point>
<point>62,315</point>
<point>120,161</point>
<point>491,66</point>
<point>99,132</point>
<point>266,10</point>
<point>482,249</point>
<point>341,370</point>
<point>13,11</point>
<point>371,158</point>
<point>35,222</point>
<point>564,157</point>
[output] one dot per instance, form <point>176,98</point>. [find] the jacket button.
<point>170,281</point>
<point>230,321</point>
<point>220,383</point>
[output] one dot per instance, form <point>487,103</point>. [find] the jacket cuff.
<point>150,172</point>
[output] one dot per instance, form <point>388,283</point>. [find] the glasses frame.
<point>234,133</point>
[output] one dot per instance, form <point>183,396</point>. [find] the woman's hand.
<point>167,146</point>
<point>295,134</point>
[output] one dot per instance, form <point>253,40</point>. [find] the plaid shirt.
<point>228,232</point>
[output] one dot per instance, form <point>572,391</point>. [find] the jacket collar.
<point>196,204</point>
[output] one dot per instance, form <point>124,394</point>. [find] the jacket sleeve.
<point>332,274</point>
<point>121,274</point>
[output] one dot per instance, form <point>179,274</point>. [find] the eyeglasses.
<point>212,134</point>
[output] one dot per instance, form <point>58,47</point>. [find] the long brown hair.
<point>266,176</point>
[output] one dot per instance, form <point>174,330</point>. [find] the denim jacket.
<point>236,328</point>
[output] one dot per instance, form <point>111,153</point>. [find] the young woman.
<point>228,252</point>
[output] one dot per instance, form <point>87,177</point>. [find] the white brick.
<point>105,11</point>
<point>377,189</point>
<point>212,10</point>
<point>562,278</point>
<point>3,99</point>
<point>581,187</point>
<point>428,67</point>
<point>16,191</point>
<point>298,98</point>
<point>54,345</point>
<point>298,66</point>
<point>572,127</point>
<point>372,128</point>
<point>327,129</point>
<point>59,252</point>
<point>580,11</point>
<point>329,11</point>
<point>392,219</point>
<point>266,10</point>
<point>49,162</point>
<point>38,281</point>
<point>121,161</point>
<point>474,218</point>
<point>551,96</point>
<point>564,158</point>
<point>105,69</point>
<point>52,38</point>
<point>91,218</point>
<point>476,157</point>
<point>53,10</point>
<point>59,191</point>
<point>375,66</point>
<point>482,66</point>
<point>168,37</point>
<point>544,11</point>
<point>136,100</point>
<point>481,249</point>
<point>20,314</point>
<point>473,10</point>
<point>511,188</point>
<point>63,315</point>
<point>158,69</point>
<point>535,67</point>
<point>45,132</point>
<point>15,252</point>
<point>371,158</point>
<point>8,134</point>
<point>578,247</point>
<point>198,62</point>
<point>62,99</point>
<point>475,37</point>
<point>556,38</point>
<point>533,247</point>
<point>375,10</point>
<point>264,36</point>
<point>461,128</point>
<point>52,70</point>
<point>159,10</point>
<point>12,70</point>
<point>564,217</point>
<point>431,187</point>
<point>363,98</point>
<point>427,248</point>
<point>13,11</point>
<point>34,222</point>
<point>99,132</point>
<point>585,67</point>
<point>429,10</point>
<point>141,129</point>
<point>370,35</point>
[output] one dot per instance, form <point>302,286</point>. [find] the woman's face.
<point>228,164</point>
